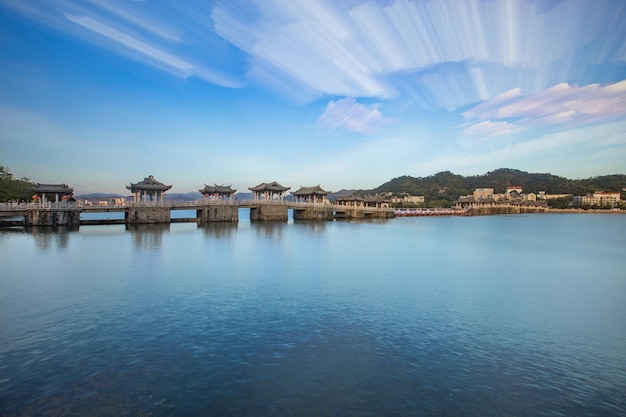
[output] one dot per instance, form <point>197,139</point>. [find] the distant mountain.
<point>100,196</point>
<point>340,193</point>
<point>190,196</point>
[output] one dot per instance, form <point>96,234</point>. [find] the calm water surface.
<point>451,316</point>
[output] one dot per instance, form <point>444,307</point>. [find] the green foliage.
<point>12,189</point>
<point>444,188</point>
<point>559,203</point>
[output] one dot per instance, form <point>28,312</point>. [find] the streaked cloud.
<point>562,104</point>
<point>388,49</point>
<point>140,32</point>
<point>348,114</point>
<point>488,128</point>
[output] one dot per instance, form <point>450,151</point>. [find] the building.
<point>350,200</point>
<point>148,190</point>
<point>217,191</point>
<point>59,191</point>
<point>314,194</point>
<point>513,192</point>
<point>483,193</point>
<point>378,201</point>
<point>409,199</point>
<point>269,191</point>
<point>599,198</point>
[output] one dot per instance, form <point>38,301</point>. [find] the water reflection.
<point>218,229</point>
<point>272,230</point>
<point>315,226</point>
<point>148,236</point>
<point>51,237</point>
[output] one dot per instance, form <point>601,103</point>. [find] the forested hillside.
<point>445,187</point>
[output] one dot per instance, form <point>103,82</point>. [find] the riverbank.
<point>486,211</point>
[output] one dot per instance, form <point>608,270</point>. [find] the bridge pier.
<point>217,213</point>
<point>52,217</point>
<point>269,213</point>
<point>361,213</point>
<point>314,213</point>
<point>147,215</point>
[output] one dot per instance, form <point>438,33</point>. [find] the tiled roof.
<point>272,186</point>
<point>316,189</point>
<point>149,184</point>
<point>217,189</point>
<point>349,198</point>
<point>52,188</point>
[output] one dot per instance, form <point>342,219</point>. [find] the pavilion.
<point>217,191</point>
<point>148,190</point>
<point>350,200</point>
<point>312,194</point>
<point>267,191</point>
<point>377,201</point>
<point>60,191</point>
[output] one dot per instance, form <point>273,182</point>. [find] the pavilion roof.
<point>316,189</point>
<point>217,189</point>
<point>52,188</point>
<point>349,198</point>
<point>149,184</point>
<point>375,199</point>
<point>272,186</point>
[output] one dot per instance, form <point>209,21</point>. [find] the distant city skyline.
<point>350,94</point>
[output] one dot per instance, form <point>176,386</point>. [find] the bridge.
<point>414,212</point>
<point>62,213</point>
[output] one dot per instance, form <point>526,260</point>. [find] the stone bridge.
<point>69,214</point>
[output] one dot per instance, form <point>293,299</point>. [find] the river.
<point>517,315</point>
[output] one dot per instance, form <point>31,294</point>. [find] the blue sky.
<point>345,93</point>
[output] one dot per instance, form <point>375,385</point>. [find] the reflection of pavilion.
<point>148,190</point>
<point>267,191</point>
<point>217,191</point>
<point>313,194</point>
<point>59,191</point>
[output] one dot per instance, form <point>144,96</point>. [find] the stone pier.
<point>269,213</point>
<point>218,213</point>
<point>315,213</point>
<point>147,215</point>
<point>362,213</point>
<point>52,217</point>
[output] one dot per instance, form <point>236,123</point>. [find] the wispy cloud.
<point>562,104</point>
<point>488,128</point>
<point>348,114</point>
<point>573,153</point>
<point>130,42</point>
<point>386,49</point>
<point>132,31</point>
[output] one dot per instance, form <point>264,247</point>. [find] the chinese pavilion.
<point>350,200</point>
<point>148,190</point>
<point>219,191</point>
<point>267,191</point>
<point>312,194</point>
<point>59,191</point>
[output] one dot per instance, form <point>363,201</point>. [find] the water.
<point>451,316</point>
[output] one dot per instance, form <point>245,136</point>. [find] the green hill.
<point>444,188</point>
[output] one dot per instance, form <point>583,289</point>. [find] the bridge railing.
<point>11,206</point>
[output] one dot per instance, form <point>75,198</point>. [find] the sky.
<point>347,94</point>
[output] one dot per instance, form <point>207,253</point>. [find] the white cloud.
<point>560,105</point>
<point>349,114</point>
<point>488,128</point>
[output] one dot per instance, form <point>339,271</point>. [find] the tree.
<point>12,188</point>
